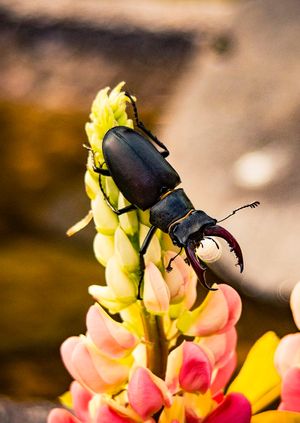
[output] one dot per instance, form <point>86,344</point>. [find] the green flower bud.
<point>105,219</point>
<point>118,280</point>
<point>132,319</point>
<point>111,190</point>
<point>128,221</point>
<point>126,255</point>
<point>144,216</point>
<point>103,247</point>
<point>167,244</point>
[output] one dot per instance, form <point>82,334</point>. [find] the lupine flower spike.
<point>167,357</point>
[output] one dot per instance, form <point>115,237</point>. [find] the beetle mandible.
<point>148,181</point>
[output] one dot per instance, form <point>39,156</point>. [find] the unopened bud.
<point>105,219</point>
<point>128,221</point>
<point>126,255</point>
<point>153,253</point>
<point>103,247</point>
<point>122,285</point>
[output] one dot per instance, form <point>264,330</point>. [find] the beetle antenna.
<point>169,267</point>
<point>251,205</point>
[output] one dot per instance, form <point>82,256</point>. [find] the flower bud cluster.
<point>168,357</point>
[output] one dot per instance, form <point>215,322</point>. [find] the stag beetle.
<point>148,181</point>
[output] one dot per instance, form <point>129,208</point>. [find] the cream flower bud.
<point>105,219</point>
<point>126,255</point>
<point>103,248</point>
<point>128,221</point>
<point>91,184</point>
<point>122,285</point>
<point>153,253</point>
<point>156,293</point>
<point>107,298</point>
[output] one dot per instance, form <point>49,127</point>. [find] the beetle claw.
<point>198,266</point>
<point>221,232</point>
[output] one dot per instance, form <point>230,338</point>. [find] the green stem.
<point>156,342</point>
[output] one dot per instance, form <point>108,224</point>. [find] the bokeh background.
<point>218,81</point>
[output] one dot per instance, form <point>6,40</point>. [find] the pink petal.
<point>235,408</point>
<point>109,336</point>
<point>190,417</point>
<point>108,415</point>
<point>173,368</point>
<point>177,278</point>
<point>207,319</point>
<point>191,291</point>
<point>144,395</point>
<point>87,371</point>
<point>60,415</point>
<point>295,304</point>
<point>95,372</point>
<point>224,374</point>
<point>287,354</point>
<point>67,348</point>
<point>196,369</point>
<point>156,292</point>
<point>234,305</point>
<point>221,345</point>
<point>80,398</point>
<point>290,393</point>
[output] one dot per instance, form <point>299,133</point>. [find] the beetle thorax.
<point>171,207</point>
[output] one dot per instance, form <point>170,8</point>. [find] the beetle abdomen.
<point>138,169</point>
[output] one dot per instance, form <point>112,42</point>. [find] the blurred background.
<point>218,81</point>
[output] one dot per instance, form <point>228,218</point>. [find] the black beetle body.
<point>138,169</point>
<point>148,181</point>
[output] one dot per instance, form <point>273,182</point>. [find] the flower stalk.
<point>155,342</point>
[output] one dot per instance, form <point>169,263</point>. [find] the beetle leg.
<point>221,232</point>
<point>142,127</point>
<point>111,206</point>
<point>169,267</point>
<point>198,265</point>
<point>142,252</point>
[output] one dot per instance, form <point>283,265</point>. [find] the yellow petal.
<point>258,379</point>
<point>66,399</point>
<point>174,413</point>
<point>276,417</point>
